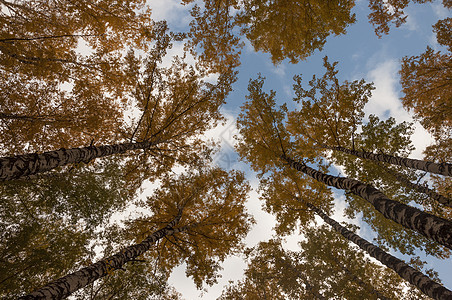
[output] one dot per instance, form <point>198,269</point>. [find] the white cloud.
<point>421,139</point>
<point>177,50</point>
<point>182,283</point>
<point>263,229</point>
<point>411,23</point>
<point>224,133</point>
<point>249,49</point>
<point>278,69</point>
<point>170,10</point>
<point>440,11</point>
<point>385,100</point>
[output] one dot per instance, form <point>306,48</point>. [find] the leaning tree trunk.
<point>428,166</point>
<point>28,164</point>
<point>413,276</point>
<point>432,227</point>
<point>63,287</point>
<point>419,188</point>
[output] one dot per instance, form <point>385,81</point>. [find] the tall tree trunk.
<point>420,188</point>
<point>413,276</point>
<point>63,287</point>
<point>28,164</point>
<point>432,227</point>
<point>44,119</point>
<point>428,166</point>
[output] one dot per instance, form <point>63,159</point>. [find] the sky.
<point>361,54</point>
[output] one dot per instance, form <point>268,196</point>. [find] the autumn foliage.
<point>108,180</point>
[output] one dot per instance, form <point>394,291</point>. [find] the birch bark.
<point>433,227</point>
<point>63,287</point>
<point>19,166</point>
<point>418,279</point>
<point>420,188</point>
<point>428,166</point>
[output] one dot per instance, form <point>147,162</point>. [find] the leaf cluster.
<point>213,224</point>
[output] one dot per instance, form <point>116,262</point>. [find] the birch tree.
<point>279,187</point>
<point>335,112</point>
<point>266,145</point>
<point>199,218</point>
<point>49,222</point>
<point>176,106</point>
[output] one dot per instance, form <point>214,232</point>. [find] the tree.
<point>60,64</point>
<point>293,29</point>
<point>39,38</point>
<point>266,277</point>
<point>284,29</point>
<point>266,145</point>
<point>421,281</point>
<point>426,84</point>
<point>136,280</point>
<point>203,218</point>
<point>37,116</point>
<point>281,186</point>
<point>386,12</point>
<point>41,114</point>
<point>211,31</point>
<point>184,107</point>
<point>338,110</point>
<point>276,273</point>
<point>57,213</point>
<point>38,249</point>
<point>329,117</point>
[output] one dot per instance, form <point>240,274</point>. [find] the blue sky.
<point>361,54</point>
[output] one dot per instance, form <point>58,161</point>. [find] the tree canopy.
<point>108,169</point>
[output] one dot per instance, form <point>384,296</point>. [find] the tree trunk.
<point>428,166</point>
<point>418,279</point>
<point>63,287</point>
<point>28,164</point>
<point>44,119</point>
<point>420,188</point>
<point>432,227</point>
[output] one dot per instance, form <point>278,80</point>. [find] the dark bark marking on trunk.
<point>63,287</point>
<point>28,164</point>
<point>432,227</point>
<point>413,276</point>
<point>428,166</point>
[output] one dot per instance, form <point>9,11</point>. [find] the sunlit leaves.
<point>386,12</point>
<point>427,85</point>
<point>330,112</point>
<point>262,135</point>
<point>214,221</point>
<point>293,29</point>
